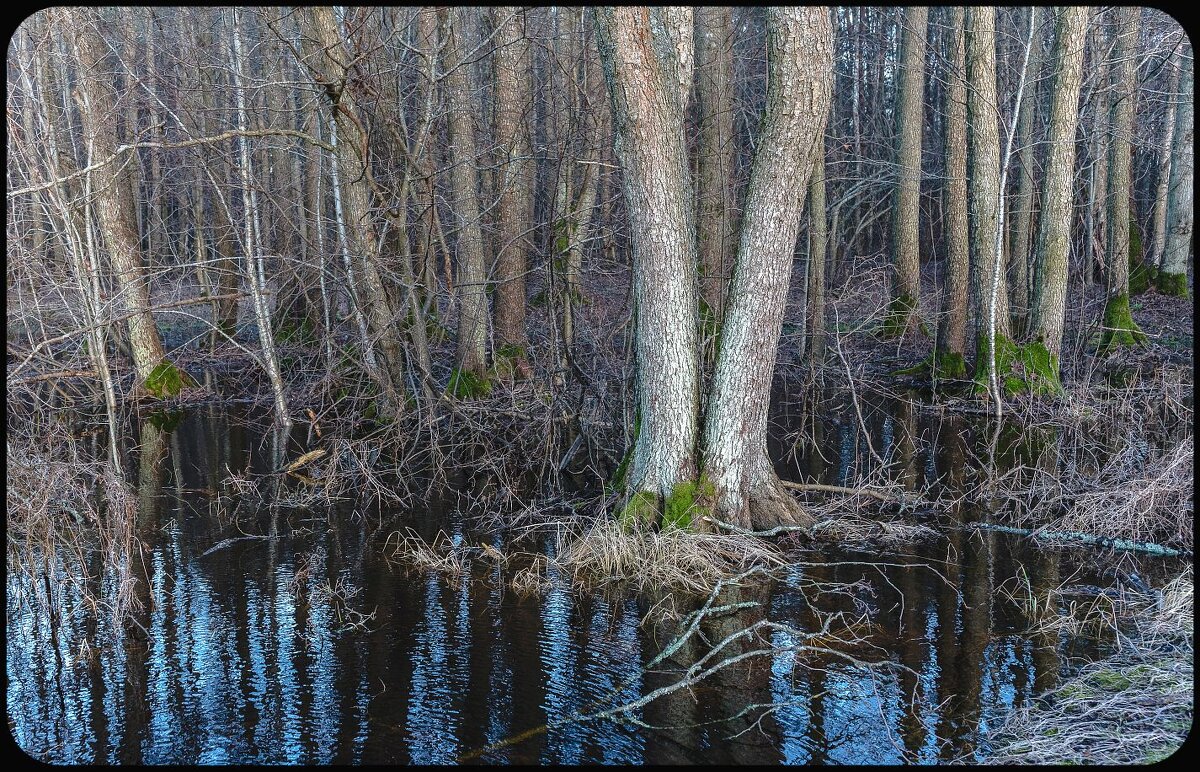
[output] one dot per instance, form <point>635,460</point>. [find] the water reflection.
<point>246,654</point>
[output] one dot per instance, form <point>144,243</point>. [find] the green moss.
<point>1141,276</point>
<point>166,420</point>
<point>1174,284</point>
<point>688,501</point>
<point>1021,368</point>
<point>1119,327</point>
<point>640,510</point>
<point>618,480</point>
<point>465,384</point>
<point>948,365</point>
<point>167,380</point>
<point>898,316</point>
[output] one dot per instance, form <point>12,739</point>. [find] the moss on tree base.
<point>689,501</point>
<point>167,380</point>
<point>1173,284</point>
<point>1021,368</point>
<point>898,318</point>
<point>1119,327</point>
<point>465,384</point>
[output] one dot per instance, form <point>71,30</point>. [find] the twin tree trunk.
<point>648,70</point>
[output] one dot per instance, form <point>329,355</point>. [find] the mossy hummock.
<point>1173,284</point>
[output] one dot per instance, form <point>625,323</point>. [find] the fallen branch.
<point>223,544</point>
<point>877,494</point>
<point>1124,545</point>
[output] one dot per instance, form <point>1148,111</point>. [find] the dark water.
<point>247,657</point>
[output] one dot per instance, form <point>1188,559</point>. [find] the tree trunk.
<point>1022,209</point>
<point>818,246</point>
<point>714,184</point>
<point>1162,189</point>
<point>984,184</point>
<point>1054,236</point>
<point>1095,231</point>
<point>514,107</point>
<point>329,58</point>
<point>1172,279</point>
<point>800,83</point>
<point>114,202</point>
<point>470,356</point>
<point>1118,325</point>
<point>647,114</point>
<point>949,359</point>
<point>910,99</point>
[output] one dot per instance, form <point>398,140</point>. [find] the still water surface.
<point>244,656</point>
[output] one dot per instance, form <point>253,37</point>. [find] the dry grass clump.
<point>1134,707</point>
<point>441,555</point>
<point>667,560</point>
<point>1138,494</point>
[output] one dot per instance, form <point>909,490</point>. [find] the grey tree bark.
<point>984,181</point>
<point>470,354</point>
<point>814,324</point>
<point>949,359</point>
<point>715,215</point>
<point>1172,278</point>
<point>114,201</point>
<point>1118,325</point>
<point>1054,235</point>
<point>910,99</point>
<point>800,84</point>
<point>1021,224</point>
<point>1162,189</point>
<point>513,76</point>
<point>641,69</point>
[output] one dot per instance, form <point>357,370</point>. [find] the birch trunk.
<point>1054,235</point>
<point>1020,232</point>
<point>1162,189</point>
<point>800,83</point>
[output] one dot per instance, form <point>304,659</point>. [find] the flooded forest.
<point>622,385</point>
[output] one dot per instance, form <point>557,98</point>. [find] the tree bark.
<point>984,182</point>
<point>513,75</point>
<point>1162,189</point>
<point>1172,279</point>
<point>910,99</point>
<point>818,246</point>
<point>714,184</point>
<point>1054,235</point>
<point>1021,224</point>
<point>647,115</point>
<point>470,354</point>
<point>114,201</point>
<point>800,84</point>
<point>952,326</point>
<point>1118,326</point>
